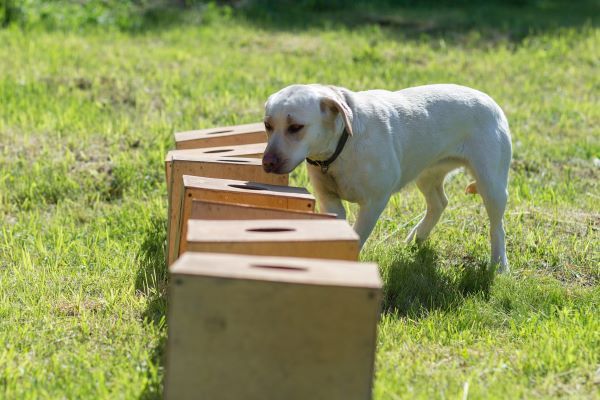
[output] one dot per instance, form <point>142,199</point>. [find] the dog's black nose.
<point>270,162</point>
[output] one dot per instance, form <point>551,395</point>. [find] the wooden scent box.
<point>254,150</point>
<point>222,136</point>
<point>255,328</point>
<point>229,168</point>
<point>326,238</point>
<point>233,191</point>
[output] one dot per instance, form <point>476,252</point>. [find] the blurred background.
<point>512,18</point>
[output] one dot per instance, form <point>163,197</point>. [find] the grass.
<point>86,118</point>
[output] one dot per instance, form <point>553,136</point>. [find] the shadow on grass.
<point>476,22</point>
<point>415,283</point>
<point>451,20</point>
<point>152,280</point>
<point>484,22</point>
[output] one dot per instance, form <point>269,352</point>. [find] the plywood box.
<point>255,328</point>
<point>221,136</point>
<point>327,238</point>
<point>228,168</point>
<point>211,210</point>
<point>254,150</point>
<point>234,191</point>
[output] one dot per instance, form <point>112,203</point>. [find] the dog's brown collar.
<point>326,163</point>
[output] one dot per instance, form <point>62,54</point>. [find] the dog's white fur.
<point>416,134</point>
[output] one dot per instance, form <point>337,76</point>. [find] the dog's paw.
<point>503,269</point>
<point>414,240</point>
<point>411,236</point>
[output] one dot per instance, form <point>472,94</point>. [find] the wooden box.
<point>233,191</point>
<point>255,328</point>
<point>326,238</point>
<point>254,150</point>
<point>229,168</point>
<point>222,136</point>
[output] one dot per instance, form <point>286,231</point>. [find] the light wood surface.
<point>254,150</point>
<point>313,271</point>
<point>327,239</point>
<point>221,136</point>
<point>214,210</point>
<point>244,327</point>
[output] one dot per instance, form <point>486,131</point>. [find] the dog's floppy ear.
<point>340,107</point>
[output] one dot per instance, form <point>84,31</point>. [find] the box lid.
<point>220,131</point>
<point>269,230</point>
<point>186,156</point>
<point>232,185</point>
<point>279,269</point>
<point>221,151</point>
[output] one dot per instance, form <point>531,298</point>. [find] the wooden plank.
<point>239,192</point>
<point>221,136</point>
<point>227,167</point>
<point>247,327</point>
<point>326,239</point>
<point>213,210</point>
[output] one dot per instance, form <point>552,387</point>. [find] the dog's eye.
<point>295,128</point>
<point>268,127</point>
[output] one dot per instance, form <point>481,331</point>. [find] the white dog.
<point>364,146</point>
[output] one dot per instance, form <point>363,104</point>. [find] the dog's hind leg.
<point>431,184</point>
<point>491,176</point>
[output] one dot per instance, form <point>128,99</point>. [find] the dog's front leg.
<point>325,191</point>
<point>330,203</point>
<point>368,214</point>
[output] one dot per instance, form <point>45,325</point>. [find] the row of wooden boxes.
<point>266,297</point>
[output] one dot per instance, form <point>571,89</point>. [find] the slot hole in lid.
<point>234,160</point>
<point>247,187</point>
<point>218,151</point>
<point>223,131</point>
<point>270,230</point>
<point>280,267</point>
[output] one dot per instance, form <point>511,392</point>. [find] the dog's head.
<point>303,121</point>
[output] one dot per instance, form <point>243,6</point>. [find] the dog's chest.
<point>354,185</point>
<point>365,170</point>
<point>346,188</point>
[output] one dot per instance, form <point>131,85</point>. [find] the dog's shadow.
<point>151,281</point>
<point>415,282</point>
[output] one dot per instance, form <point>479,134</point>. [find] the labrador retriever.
<point>364,146</point>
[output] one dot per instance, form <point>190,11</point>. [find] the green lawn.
<point>86,119</point>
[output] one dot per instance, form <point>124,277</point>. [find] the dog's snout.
<point>270,162</point>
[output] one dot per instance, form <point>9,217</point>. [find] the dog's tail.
<point>471,188</point>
